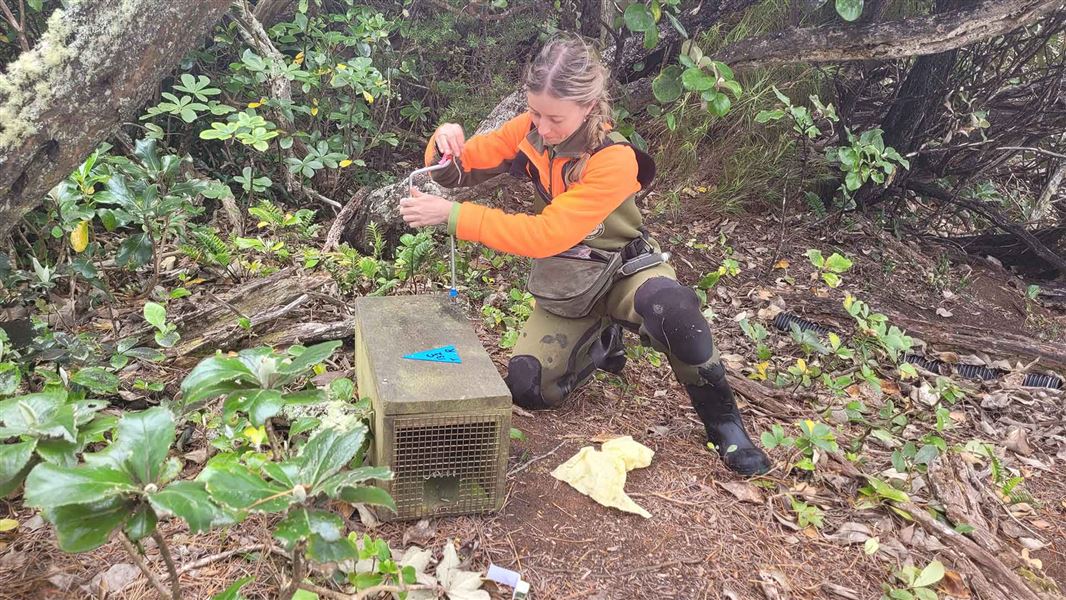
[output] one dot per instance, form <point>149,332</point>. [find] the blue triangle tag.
<point>444,354</point>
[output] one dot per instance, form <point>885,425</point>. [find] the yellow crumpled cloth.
<point>601,474</point>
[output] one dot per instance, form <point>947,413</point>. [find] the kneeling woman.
<point>596,269</point>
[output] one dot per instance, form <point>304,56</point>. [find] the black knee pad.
<point>524,381</point>
<point>672,316</point>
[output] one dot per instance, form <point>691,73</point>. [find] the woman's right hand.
<point>450,139</point>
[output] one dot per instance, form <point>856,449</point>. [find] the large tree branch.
<point>895,39</point>
<point>94,67</point>
<point>997,218</point>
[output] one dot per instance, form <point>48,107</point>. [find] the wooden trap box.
<point>442,427</point>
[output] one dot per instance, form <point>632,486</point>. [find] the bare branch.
<point>913,36</point>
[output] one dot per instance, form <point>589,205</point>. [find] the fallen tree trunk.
<point>997,218</point>
<point>914,36</point>
<point>95,67</point>
<point>957,336</point>
<point>214,323</point>
<point>1007,248</point>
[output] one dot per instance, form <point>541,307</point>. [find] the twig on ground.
<point>203,562</point>
<point>525,465</point>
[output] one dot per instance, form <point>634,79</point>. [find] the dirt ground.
<point>701,542</point>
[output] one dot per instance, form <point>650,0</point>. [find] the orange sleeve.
<point>609,178</point>
<point>484,156</point>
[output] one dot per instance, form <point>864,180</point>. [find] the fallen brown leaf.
<point>953,585</point>
<point>743,491</point>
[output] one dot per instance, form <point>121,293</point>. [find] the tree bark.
<point>269,12</point>
<point>915,36</point>
<point>919,96</point>
<point>95,67</point>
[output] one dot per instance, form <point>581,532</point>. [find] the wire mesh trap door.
<point>446,464</point>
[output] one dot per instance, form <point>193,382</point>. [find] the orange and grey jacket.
<point>584,195</point>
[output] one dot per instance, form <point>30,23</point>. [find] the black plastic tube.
<point>784,322</point>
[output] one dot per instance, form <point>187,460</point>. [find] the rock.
<point>113,580</point>
<point>1031,543</point>
<point>62,581</point>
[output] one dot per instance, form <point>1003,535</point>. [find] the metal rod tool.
<point>443,164</point>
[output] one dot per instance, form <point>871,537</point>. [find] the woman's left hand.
<point>423,210</point>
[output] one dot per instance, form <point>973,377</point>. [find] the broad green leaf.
<point>852,181</point>
<point>651,37</point>
<point>259,404</point>
<point>766,116</point>
<point>333,485</point>
<point>341,389</point>
<point>368,495</point>
<point>327,452</point>
<point>303,424</point>
<point>155,314</point>
<point>638,18</point>
<point>886,491</point>
<point>167,339</point>
<point>190,501</point>
<point>323,551</point>
<point>45,414</point>
<point>309,357</point>
<point>815,256</point>
<point>142,523</point>
<point>94,430</point>
<point>837,263</point>
<point>213,376</point>
<point>233,591</point>
<point>96,379</point>
<point>720,104</point>
<point>50,486</point>
<point>305,397</point>
<point>14,458</point>
<point>871,545</point>
<point>141,444</point>
<point>59,452</point>
<point>239,488</point>
<point>697,79</point>
<point>10,377</point>
<point>723,70</point>
<point>286,473</point>
<point>850,10</point>
<point>300,524</point>
<point>831,279</point>
<point>733,87</point>
<point>135,251</point>
<point>848,157</point>
<point>667,85</point>
<point>932,573</point>
<point>14,464</point>
<point>83,527</point>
